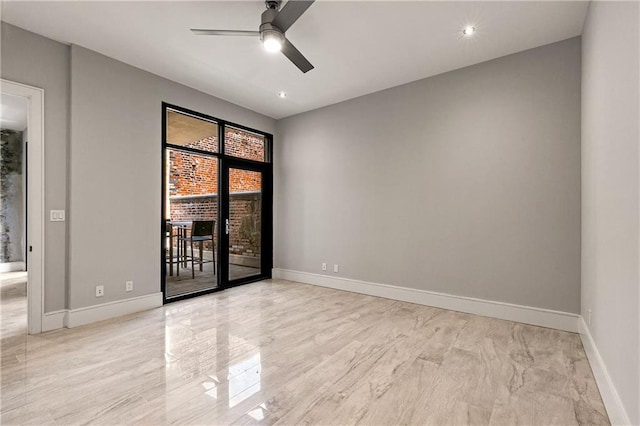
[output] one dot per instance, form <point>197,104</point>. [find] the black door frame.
<point>266,240</point>
<point>225,162</point>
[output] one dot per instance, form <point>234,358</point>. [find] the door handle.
<point>227,226</point>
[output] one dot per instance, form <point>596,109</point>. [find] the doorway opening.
<point>216,204</point>
<point>13,212</point>
<point>21,209</point>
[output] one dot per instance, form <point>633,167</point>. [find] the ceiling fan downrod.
<point>272,4</point>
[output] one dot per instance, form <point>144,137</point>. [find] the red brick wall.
<point>200,208</point>
<point>209,144</point>
<point>243,144</point>
<point>192,174</point>
<point>195,174</point>
<point>245,223</point>
<point>193,188</point>
<point>244,181</point>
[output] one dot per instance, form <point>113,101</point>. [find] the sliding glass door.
<point>217,202</point>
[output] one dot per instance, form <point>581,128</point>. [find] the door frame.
<point>266,260</point>
<point>35,228</point>
<point>266,233</point>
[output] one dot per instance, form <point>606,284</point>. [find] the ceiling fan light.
<point>272,44</point>
<point>272,41</point>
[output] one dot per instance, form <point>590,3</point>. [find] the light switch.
<point>57,215</point>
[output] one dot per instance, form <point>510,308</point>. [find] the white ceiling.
<point>13,112</point>
<point>357,47</point>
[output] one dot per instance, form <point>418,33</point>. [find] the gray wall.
<point>115,173</point>
<point>610,192</point>
<point>103,153</point>
<point>38,61</point>
<point>466,183</point>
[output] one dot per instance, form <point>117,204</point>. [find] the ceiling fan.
<point>271,31</point>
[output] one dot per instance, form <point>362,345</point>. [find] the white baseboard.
<point>12,267</point>
<point>75,317</point>
<point>54,320</point>
<point>81,316</point>
<point>525,314</point>
<point>613,404</point>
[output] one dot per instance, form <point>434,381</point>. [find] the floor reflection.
<point>245,379</point>
<point>258,413</point>
<point>227,362</point>
<point>211,388</point>
<point>13,299</point>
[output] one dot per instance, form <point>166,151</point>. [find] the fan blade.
<point>225,32</point>
<point>290,13</point>
<point>294,55</point>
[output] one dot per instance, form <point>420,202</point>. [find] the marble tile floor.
<point>278,352</point>
<point>13,304</point>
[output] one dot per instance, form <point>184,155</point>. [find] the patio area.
<point>178,285</point>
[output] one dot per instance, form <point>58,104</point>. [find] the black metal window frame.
<point>225,162</point>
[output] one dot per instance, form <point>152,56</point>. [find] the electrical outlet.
<point>99,290</point>
<point>335,268</point>
<point>324,266</point>
<point>589,316</point>
<point>128,286</point>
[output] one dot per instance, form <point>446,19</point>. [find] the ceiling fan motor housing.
<point>267,29</point>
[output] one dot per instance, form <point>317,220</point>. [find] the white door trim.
<point>35,199</point>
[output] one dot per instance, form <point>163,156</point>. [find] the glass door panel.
<point>191,216</point>
<point>245,222</point>
<point>216,228</point>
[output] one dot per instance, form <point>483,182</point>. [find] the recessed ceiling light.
<point>282,95</point>
<point>468,30</point>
